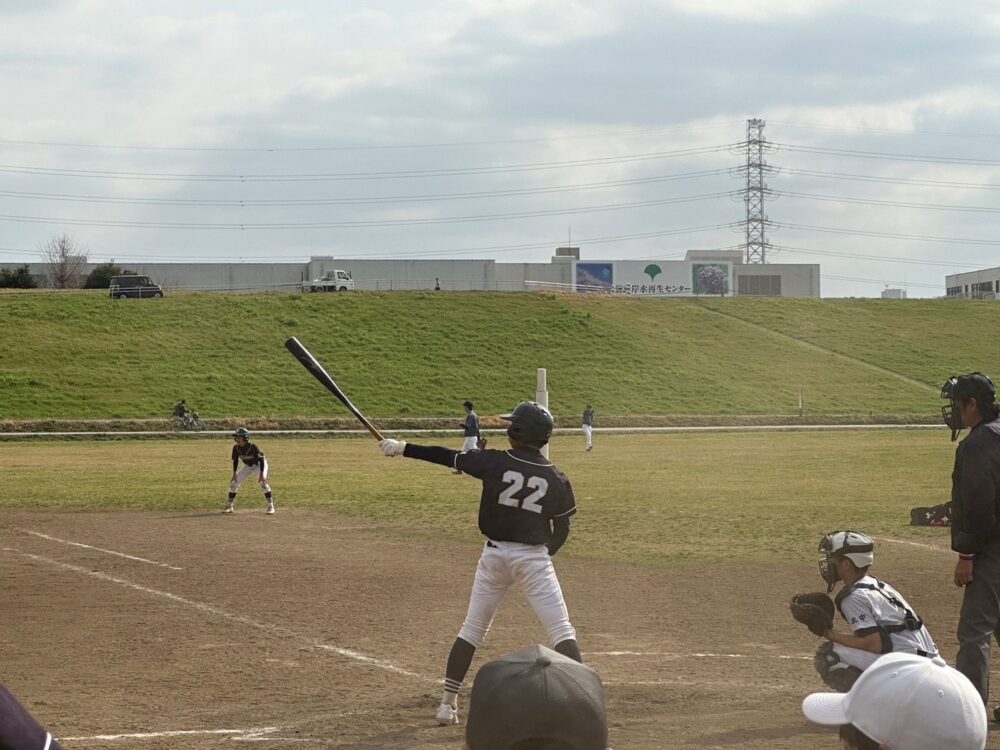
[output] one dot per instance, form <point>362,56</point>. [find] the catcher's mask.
<point>855,546</point>
<point>962,388</point>
<point>530,423</point>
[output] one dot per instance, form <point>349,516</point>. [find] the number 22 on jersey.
<point>515,480</point>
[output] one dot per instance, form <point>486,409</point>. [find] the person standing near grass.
<point>254,462</point>
<point>470,430</point>
<point>975,523</point>
<point>588,425</point>
<point>524,512</point>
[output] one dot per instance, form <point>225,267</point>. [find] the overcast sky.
<point>501,129</point>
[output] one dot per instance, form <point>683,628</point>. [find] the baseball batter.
<point>879,618</point>
<point>253,464</point>
<point>524,514</point>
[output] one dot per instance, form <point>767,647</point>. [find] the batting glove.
<point>392,447</point>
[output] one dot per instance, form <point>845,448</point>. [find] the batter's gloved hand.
<point>814,610</point>
<point>392,447</point>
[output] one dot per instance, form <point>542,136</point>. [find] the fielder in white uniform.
<point>470,428</point>
<point>879,618</point>
<point>524,514</point>
<point>588,426</point>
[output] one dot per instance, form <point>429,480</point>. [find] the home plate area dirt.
<point>189,631</point>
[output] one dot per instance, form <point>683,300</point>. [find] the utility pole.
<point>754,193</point>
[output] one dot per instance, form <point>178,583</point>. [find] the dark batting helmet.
<point>530,422</point>
<point>242,432</point>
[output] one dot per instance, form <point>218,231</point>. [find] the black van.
<point>133,286</point>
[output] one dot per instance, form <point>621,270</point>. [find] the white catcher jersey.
<point>870,606</point>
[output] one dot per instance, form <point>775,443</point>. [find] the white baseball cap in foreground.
<point>907,702</point>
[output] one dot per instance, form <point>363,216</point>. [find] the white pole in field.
<point>542,397</point>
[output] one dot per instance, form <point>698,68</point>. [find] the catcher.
<point>879,618</point>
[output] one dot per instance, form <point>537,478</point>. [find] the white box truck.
<point>331,281</point>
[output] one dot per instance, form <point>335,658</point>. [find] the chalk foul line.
<point>99,549</point>
<point>242,619</point>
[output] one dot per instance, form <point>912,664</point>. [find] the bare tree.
<point>64,262</point>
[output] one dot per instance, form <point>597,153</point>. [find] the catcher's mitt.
<point>481,444</point>
<point>814,610</point>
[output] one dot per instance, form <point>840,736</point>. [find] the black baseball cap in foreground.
<point>536,693</point>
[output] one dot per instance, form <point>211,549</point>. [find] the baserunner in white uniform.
<point>880,619</point>
<point>524,514</point>
<point>254,464</point>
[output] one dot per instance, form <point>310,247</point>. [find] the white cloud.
<point>753,10</point>
<point>528,81</point>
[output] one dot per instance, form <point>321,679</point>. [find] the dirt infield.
<point>306,629</point>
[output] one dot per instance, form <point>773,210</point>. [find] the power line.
<point>236,202</point>
<point>371,147</point>
<point>894,204</point>
<point>338,176</point>
<point>888,180</point>
<point>893,235</point>
<point>884,131</point>
<point>413,253</point>
<point>358,224</point>
<point>880,258</point>
<point>881,281</point>
<point>888,156</point>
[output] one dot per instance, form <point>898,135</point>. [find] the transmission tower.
<point>754,193</point>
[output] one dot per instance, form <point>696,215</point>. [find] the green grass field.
<point>660,500</point>
<point>83,356</point>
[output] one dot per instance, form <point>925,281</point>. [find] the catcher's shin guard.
<point>836,673</point>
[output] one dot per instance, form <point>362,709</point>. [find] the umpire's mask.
<point>951,414</point>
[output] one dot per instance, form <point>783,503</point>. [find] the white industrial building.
<point>699,273</point>
<point>983,284</point>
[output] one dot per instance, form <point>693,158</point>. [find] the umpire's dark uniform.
<point>975,531</point>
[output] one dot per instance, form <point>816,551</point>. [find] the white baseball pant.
<point>588,433</point>
<point>246,472</point>
<point>469,444</point>
<point>856,657</point>
<point>504,564</point>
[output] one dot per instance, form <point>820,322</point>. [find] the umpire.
<point>975,526</point>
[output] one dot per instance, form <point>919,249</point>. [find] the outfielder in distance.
<point>254,462</point>
<point>879,617</point>
<point>524,514</point>
<point>470,430</point>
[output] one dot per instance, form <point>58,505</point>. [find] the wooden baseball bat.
<point>310,363</point>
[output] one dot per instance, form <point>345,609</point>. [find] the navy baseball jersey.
<point>471,424</point>
<point>249,454</point>
<point>522,493</point>
<point>18,729</point>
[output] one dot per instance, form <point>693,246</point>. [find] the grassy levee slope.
<point>83,356</point>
